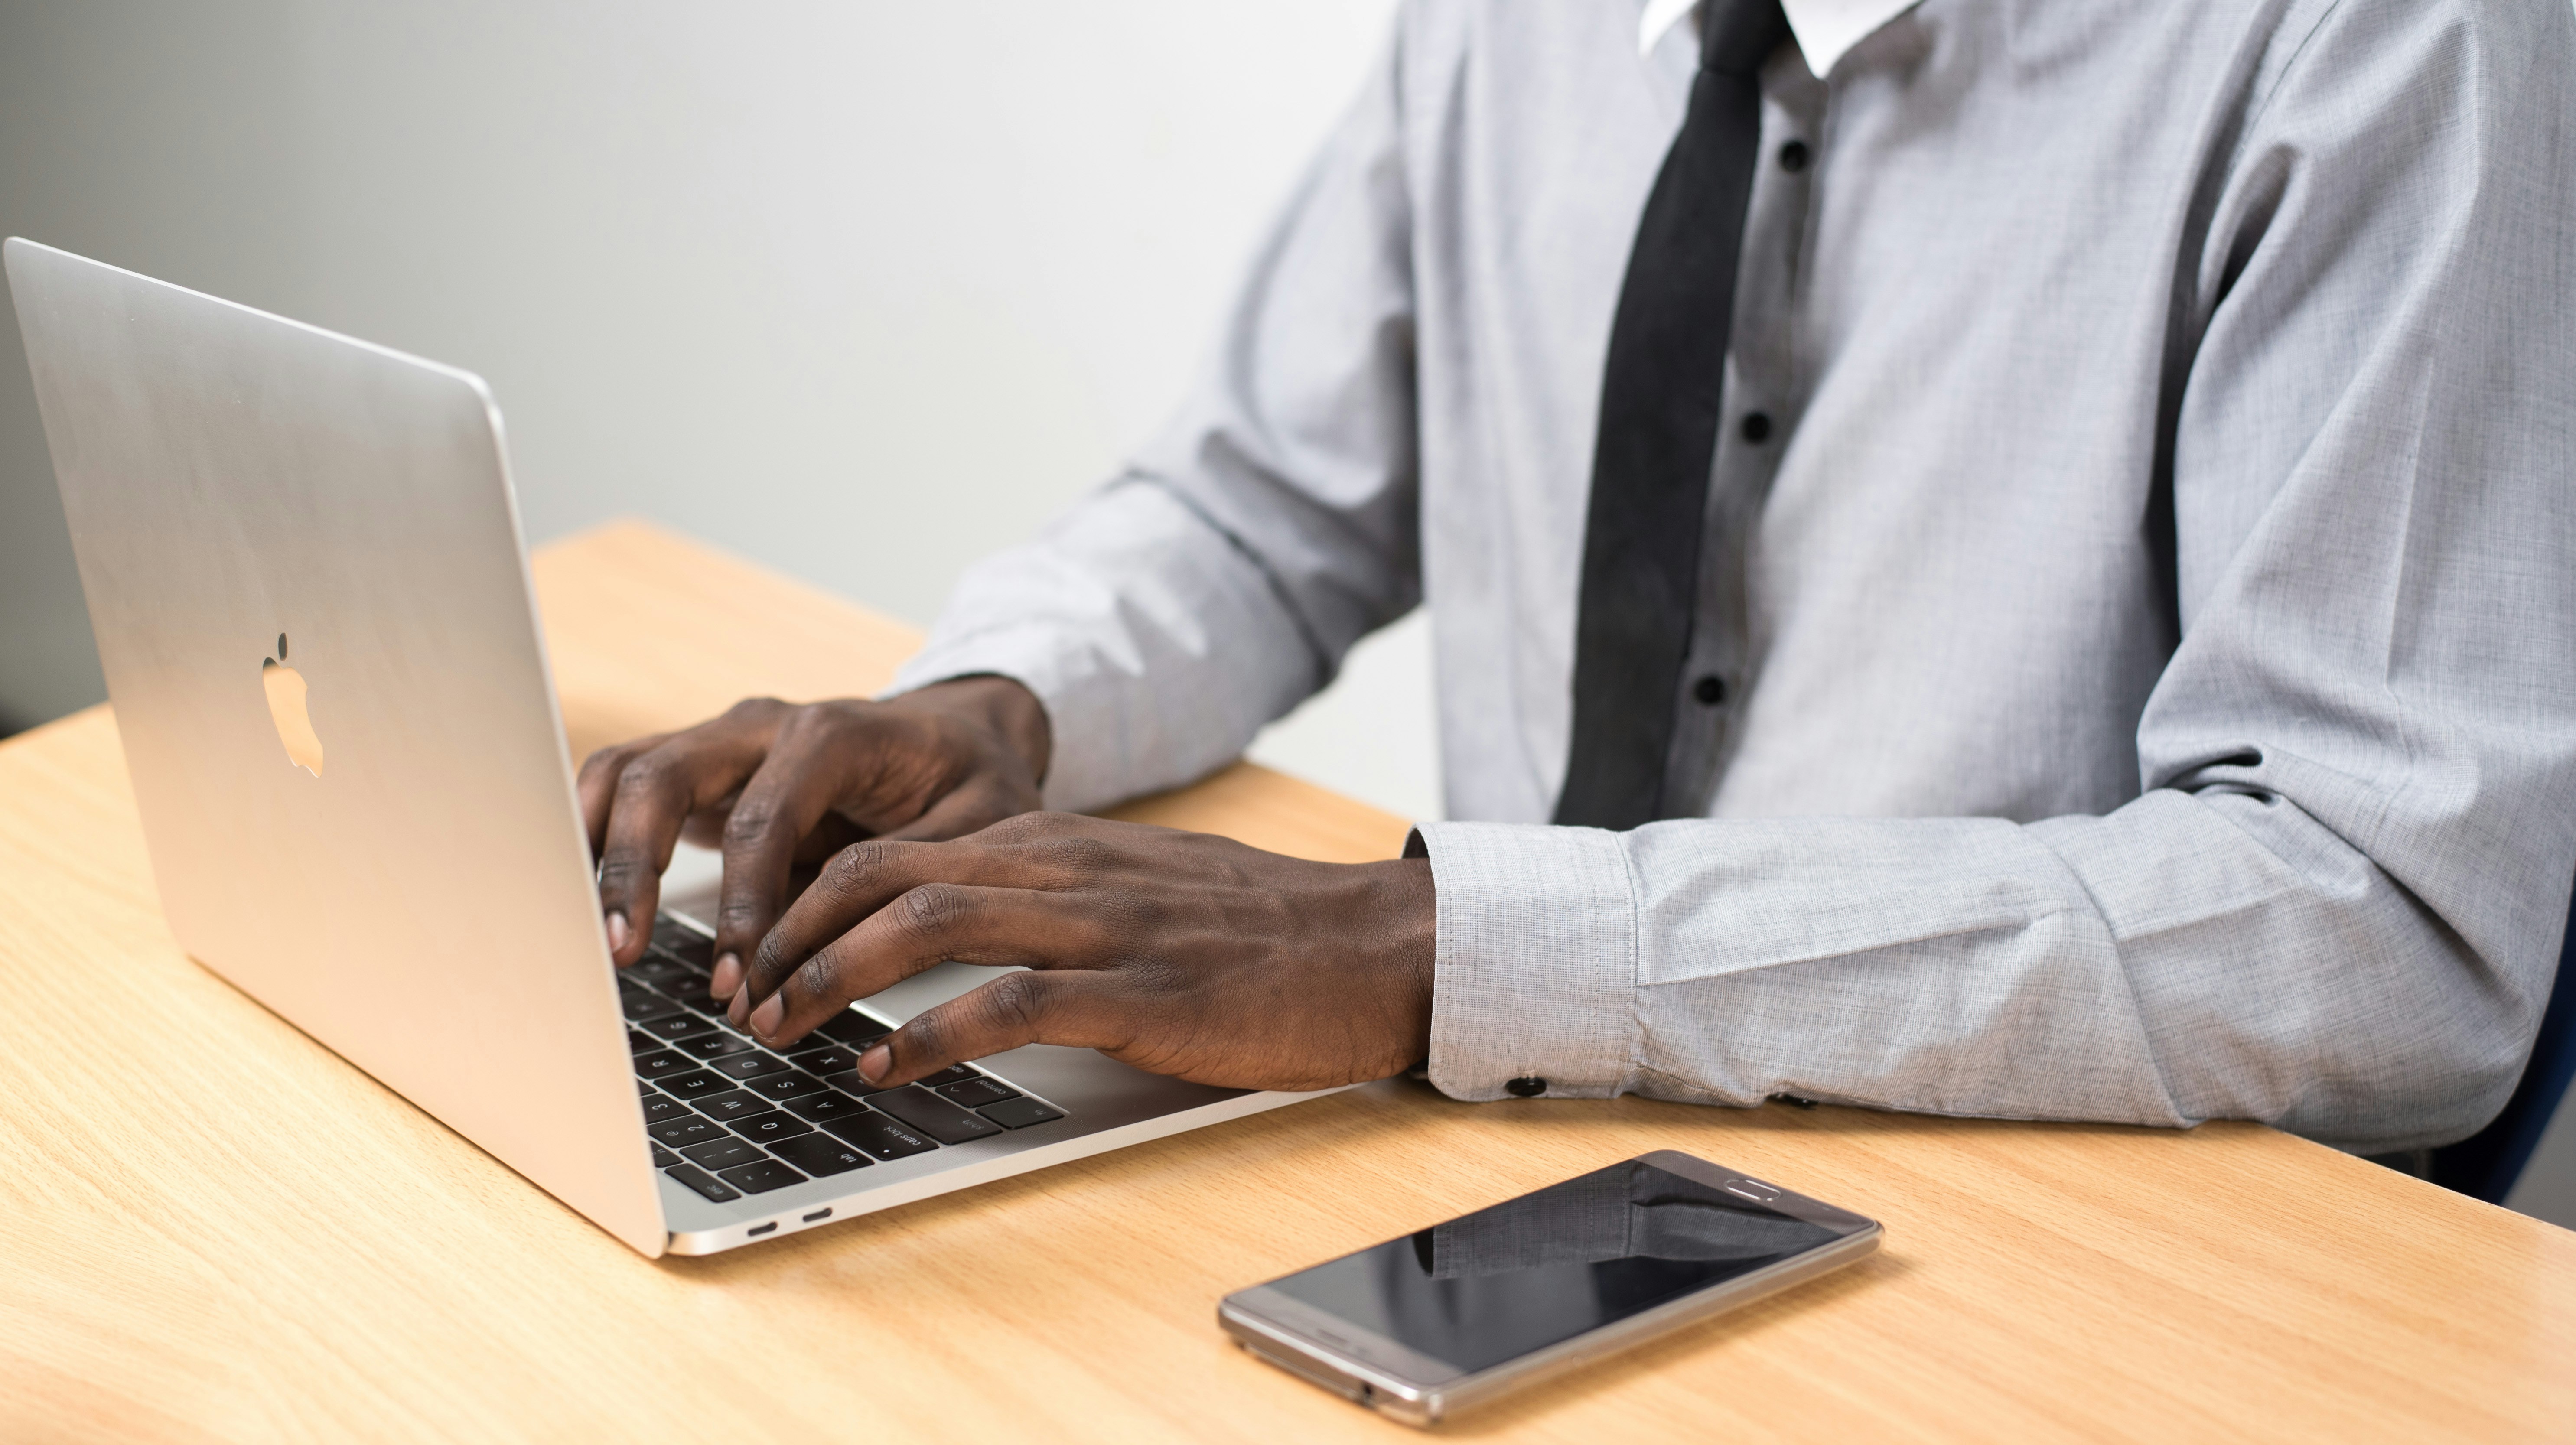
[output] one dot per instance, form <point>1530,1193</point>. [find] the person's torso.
<point>1936,583</point>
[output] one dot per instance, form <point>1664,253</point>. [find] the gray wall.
<point>860,290</point>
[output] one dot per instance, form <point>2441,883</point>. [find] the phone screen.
<point>1530,1272</point>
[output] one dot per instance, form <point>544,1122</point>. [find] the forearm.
<point>1153,647</point>
<point>2184,958</point>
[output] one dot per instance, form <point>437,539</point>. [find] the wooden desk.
<point>215,1229</point>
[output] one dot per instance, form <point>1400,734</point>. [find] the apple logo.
<point>285,688</point>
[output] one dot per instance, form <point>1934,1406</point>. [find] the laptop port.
<point>757,1230</point>
<point>818,1214</point>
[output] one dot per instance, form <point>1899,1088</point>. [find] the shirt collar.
<point>1826,29</point>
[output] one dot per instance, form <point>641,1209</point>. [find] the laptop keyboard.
<point>729,1117</point>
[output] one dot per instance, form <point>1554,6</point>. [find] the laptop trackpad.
<point>930,988</point>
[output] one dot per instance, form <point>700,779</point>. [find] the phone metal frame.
<point>1406,1385</point>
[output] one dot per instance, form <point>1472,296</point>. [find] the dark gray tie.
<point>1660,407</point>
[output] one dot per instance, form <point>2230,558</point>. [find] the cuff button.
<point>1525,1088</point>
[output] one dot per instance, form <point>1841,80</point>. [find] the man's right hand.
<point>777,785</point>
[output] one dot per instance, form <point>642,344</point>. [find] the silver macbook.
<point>303,565</point>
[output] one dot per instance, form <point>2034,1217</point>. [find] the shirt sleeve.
<point>1220,580</point>
<point>2337,905</point>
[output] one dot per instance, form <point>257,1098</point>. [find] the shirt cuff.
<point>1535,964</point>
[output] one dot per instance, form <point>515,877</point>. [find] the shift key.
<point>933,1115</point>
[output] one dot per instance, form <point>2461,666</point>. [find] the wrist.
<point>1408,918</point>
<point>1005,707</point>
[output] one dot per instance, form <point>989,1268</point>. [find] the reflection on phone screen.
<point>1548,1266</point>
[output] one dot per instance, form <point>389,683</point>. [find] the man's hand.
<point>778,785</point>
<point>1180,953</point>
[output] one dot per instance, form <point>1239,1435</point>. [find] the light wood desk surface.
<point>214,1229</point>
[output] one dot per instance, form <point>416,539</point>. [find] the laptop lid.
<point>303,565</point>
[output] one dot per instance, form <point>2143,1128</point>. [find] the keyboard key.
<point>818,1155</point>
<point>830,1058</point>
<point>681,1026</point>
<point>787,1085</point>
<point>693,1086</point>
<point>751,1066</point>
<point>694,995</point>
<point>684,943</point>
<point>659,1109</point>
<point>853,1028</point>
<point>700,1180</point>
<point>664,1158</point>
<point>722,1154</point>
<point>643,1003</point>
<point>851,1083</point>
<point>642,1044</point>
<point>680,1133</point>
<point>933,1115</point>
<point>719,1044</point>
<point>762,1177</point>
<point>829,1104</point>
<point>1019,1113</point>
<point>976,1093</point>
<point>880,1135</point>
<point>659,1065</point>
<point>761,1128</point>
<point>667,974</point>
<point>953,1074</point>
<point>732,1104</point>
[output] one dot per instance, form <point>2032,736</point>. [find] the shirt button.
<point>1710,690</point>
<point>1793,157</point>
<point>1525,1088</point>
<point>1757,427</point>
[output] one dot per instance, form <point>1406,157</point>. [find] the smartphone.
<point>1420,1327</point>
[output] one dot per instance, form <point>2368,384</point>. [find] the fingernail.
<point>736,1011</point>
<point>875,1062</point>
<point>618,933</point>
<point>728,976</point>
<point>765,1019</point>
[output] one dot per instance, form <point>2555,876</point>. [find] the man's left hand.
<point>1180,953</point>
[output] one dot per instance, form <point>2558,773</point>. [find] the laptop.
<point>303,564</point>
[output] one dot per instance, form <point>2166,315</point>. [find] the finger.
<point>971,808</point>
<point>853,883</point>
<point>1079,1010</point>
<point>921,928</point>
<point>652,795</point>
<point>598,784</point>
<point>783,802</point>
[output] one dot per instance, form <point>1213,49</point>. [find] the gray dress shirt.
<point>2145,631</point>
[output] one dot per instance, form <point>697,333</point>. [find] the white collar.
<point>1826,29</point>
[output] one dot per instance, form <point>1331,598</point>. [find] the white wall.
<point>859,290</point>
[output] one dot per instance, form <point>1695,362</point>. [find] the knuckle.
<point>1016,1001</point>
<point>852,867</point>
<point>928,1035</point>
<point>932,909</point>
<point>817,978</point>
<point>621,870</point>
<point>750,822</point>
<point>644,776</point>
<point>772,958</point>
